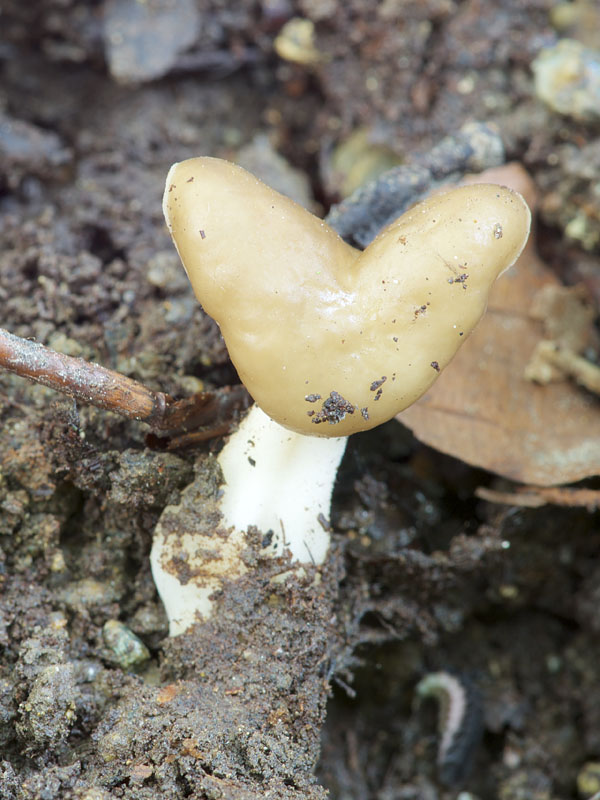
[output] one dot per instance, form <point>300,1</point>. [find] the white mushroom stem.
<point>281,482</point>
<point>276,480</point>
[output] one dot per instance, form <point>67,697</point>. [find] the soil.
<point>306,686</point>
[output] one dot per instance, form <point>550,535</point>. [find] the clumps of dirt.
<point>333,409</point>
<point>241,699</point>
<point>567,201</point>
<point>26,149</point>
<point>477,599</point>
<point>146,480</point>
<point>261,662</point>
<point>407,62</point>
<point>233,710</point>
<point>241,714</point>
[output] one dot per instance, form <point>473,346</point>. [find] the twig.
<point>535,497</point>
<point>360,217</point>
<point>584,372</point>
<point>104,388</point>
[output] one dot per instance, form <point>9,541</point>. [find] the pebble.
<point>588,779</point>
<point>129,651</point>
<point>261,159</point>
<point>567,79</point>
<point>165,272</point>
<point>357,159</point>
<point>88,592</point>
<point>48,713</point>
<point>143,40</point>
<point>296,42</point>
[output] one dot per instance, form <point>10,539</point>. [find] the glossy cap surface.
<point>327,339</point>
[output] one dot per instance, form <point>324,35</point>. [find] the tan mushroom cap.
<point>327,339</point>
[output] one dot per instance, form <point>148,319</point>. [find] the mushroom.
<point>328,340</point>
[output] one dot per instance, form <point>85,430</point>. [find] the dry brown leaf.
<point>483,410</point>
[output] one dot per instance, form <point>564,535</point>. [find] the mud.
<point>304,687</point>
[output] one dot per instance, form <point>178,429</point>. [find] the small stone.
<point>129,651</point>
<point>27,150</point>
<point>190,384</point>
<point>261,158</point>
<point>361,157</point>
<point>88,592</point>
<point>164,272</point>
<point>143,40</point>
<point>296,43</point>
<point>48,713</point>
<point>95,793</point>
<point>318,10</point>
<point>63,344</point>
<point>567,78</point>
<point>588,779</point>
<point>141,772</point>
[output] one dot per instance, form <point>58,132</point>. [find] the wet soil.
<point>299,687</point>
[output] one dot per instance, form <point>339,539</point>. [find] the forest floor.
<point>293,689</point>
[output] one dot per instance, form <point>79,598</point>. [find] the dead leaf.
<point>484,411</point>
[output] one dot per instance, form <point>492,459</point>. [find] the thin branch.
<point>359,218</point>
<point>584,372</point>
<point>104,388</point>
<point>537,496</point>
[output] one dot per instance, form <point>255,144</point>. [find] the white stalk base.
<point>274,479</point>
<point>188,567</point>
